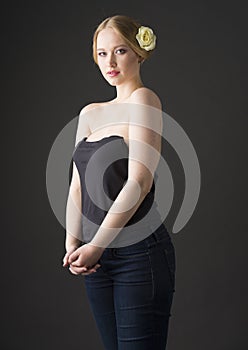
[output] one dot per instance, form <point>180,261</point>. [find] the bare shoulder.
<point>146,96</point>
<point>89,107</point>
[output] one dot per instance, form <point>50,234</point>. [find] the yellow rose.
<point>146,38</point>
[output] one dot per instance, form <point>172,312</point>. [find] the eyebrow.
<point>114,47</point>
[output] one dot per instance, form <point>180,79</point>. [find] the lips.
<point>113,73</point>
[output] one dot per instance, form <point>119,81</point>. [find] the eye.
<point>101,53</point>
<point>121,51</point>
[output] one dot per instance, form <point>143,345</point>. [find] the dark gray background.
<point>199,71</point>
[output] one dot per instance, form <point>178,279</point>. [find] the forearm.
<point>73,219</point>
<point>125,205</point>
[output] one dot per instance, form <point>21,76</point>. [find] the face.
<point>117,61</point>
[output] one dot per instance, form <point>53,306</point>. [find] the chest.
<point>108,120</point>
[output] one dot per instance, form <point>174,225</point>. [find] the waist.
<point>158,237</point>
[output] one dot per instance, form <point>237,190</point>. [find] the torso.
<point>120,130</point>
<point>104,123</point>
<point>111,117</point>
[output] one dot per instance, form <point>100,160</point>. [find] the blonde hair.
<point>127,28</point>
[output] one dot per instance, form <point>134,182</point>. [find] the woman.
<point>129,279</point>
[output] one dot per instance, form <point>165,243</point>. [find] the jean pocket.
<point>169,253</point>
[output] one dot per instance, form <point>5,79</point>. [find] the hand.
<point>85,270</point>
<point>84,259</point>
<point>75,270</point>
<point>68,253</point>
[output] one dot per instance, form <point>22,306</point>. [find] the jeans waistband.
<point>160,234</point>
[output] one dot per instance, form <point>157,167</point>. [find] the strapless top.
<point>103,169</point>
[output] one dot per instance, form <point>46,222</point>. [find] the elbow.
<point>146,187</point>
<point>143,186</point>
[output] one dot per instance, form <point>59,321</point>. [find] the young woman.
<point>129,275</point>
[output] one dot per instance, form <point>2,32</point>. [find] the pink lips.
<point>113,73</point>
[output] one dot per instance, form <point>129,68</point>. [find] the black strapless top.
<point>103,171</point>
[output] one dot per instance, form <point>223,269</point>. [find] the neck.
<point>123,91</point>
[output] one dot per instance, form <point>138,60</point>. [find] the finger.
<point>77,264</point>
<point>78,269</point>
<point>73,272</point>
<point>86,269</point>
<point>94,268</point>
<point>65,263</point>
<point>65,259</point>
<point>73,257</point>
<point>87,273</point>
<point>83,269</point>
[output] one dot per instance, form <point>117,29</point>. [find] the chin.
<point>113,83</point>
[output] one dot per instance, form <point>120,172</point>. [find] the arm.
<point>73,212</point>
<point>145,128</point>
<point>73,208</point>
<point>73,230</point>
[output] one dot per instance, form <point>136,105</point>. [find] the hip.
<point>152,257</point>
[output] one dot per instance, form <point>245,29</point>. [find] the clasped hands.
<point>83,260</point>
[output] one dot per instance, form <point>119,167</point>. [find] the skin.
<point>113,54</point>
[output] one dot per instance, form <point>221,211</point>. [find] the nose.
<point>111,60</point>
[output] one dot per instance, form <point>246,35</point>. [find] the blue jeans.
<point>131,293</point>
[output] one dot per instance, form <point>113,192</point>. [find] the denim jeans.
<point>131,293</point>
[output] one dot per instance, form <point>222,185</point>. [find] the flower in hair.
<point>146,38</point>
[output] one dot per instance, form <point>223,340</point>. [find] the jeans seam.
<point>171,271</point>
<point>152,276</point>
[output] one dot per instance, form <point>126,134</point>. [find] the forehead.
<point>108,38</point>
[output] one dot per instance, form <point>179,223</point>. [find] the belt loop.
<point>156,237</point>
<point>156,233</point>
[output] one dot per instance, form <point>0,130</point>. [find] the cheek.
<point>132,60</point>
<point>131,64</point>
<point>100,66</point>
